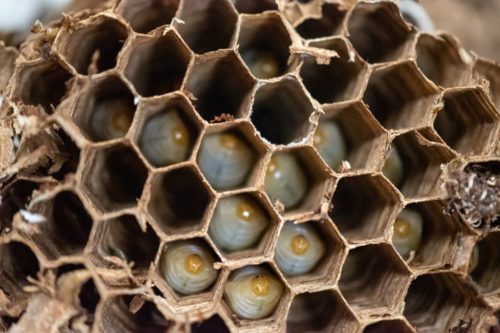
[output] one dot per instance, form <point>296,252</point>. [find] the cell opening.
<point>397,102</point>
<point>209,25</point>
<point>147,15</point>
<point>286,104</point>
<point>89,298</point>
<point>114,178</point>
<point>158,66</point>
<point>487,271</point>
<point>254,6</point>
<point>222,87</point>
<point>388,326</point>
<point>340,80</point>
<point>15,196</point>
<point>179,200</point>
<point>329,24</point>
<point>363,206</point>
<point>17,263</point>
<point>99,43</point>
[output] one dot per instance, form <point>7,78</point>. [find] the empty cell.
<point>114,177</point>
<point>378,32</point>
<point>281,112</point>
<point>93,48</point>
<point>254,6</point>
<point>486,272</point>
<point>179,200</point>
<point>207,25</point>
<point>398,102</point>
<point>222,87</point>
<point>104,109</point>
<point>213,324</point>
<point>389,326</point>
<point>469,122</point>
<point>340,80</point>
<point>264,43</point>
<point>157,65</point>
<point>146,15</point>
<point>42,83</point>
<point>328,24</point>
<point>363,207</point>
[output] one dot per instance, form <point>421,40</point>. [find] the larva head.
<point>407,233</point>
<point>330,143</point>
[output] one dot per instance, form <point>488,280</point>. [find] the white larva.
<point>188,267</point>
<point>165,139</point>
<point>330,143</point>
<point>299,249</point>
<point>111,119</point>
<point>252,292</point>
<point>414,13</point>
<point>225,160</point>
<point>262,64</point>
<point>285,180</point>
<point>238,223</point>
<point>407,232</point>
<point>393,167</point>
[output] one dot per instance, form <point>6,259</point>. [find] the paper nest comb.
<point>85,216</point>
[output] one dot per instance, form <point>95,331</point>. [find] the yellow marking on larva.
<point>121,119</point>
<point>193,264</point>
<point>299,244</point>
<point>230,141</point>
<point>245,211</point>
<point>180,135</point>
<point>402,228</point>
<point>260,285</point>
<point>319,137</point>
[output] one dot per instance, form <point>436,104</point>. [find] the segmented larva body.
<point>238,223</point>
<point>285,180</point>
<point>252,292</point>
<point>188,267</point>
<point>111,119</point>
<point>262,64</point>
<point>225,160</point>
<point>299,249</point>
<point>330,143</point>
<point>165,139</point>
<point>393,167</point>
<point>407,232</point>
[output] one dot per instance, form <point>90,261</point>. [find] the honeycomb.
<point>153,131</point>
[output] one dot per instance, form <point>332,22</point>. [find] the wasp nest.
<point>218,166</point>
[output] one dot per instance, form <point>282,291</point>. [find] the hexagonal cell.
<point>469,122</point>
<point>389,326</point>
<point>207,25</point>
<point>487,271</point>
<point>439,232</point>
<point>436,303</point>
<point>243,225</point>
<point>328,24</point>
<point>264,44</point>
<point>421,161</point>
<point>349,132</point>
<point>105,109</point>
<point>378,32</point>
<point>254,6</point>
<point>67,227</point>
<point>255,295</point>
<point>221,86</point>
<point>490,71</point>
<point>179,200</point>
<point>212,324</point>
<point>298,179</point>
<point>309,252</point>
<point>99,41</point>
<point>286,104</point>
<point>146,15</point>
<point>231,157</point>
<point>158,65</point>
<point>374,279</point>
<point>400,97</point>
<point>42,83</point>
<point>323,311</point>
<point>364,206</point>
<point>114,177</point>
<point>131,314</point>
<point>167,130</point>
<point>340,80</point>
<point>124,238</point>
<point>442,59</point>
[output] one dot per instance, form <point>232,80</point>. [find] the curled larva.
<point>285,180</point>
<point>165,139</point>
<point>329,142</point>
<point>299,249</point>
<point>474,259</point>
<point>262,64</point>
<point>188,267</point>
<point>238,223</point>
<point>407,232</point>
<point>252,292</point>
<point>111,119</point>
<point>225,160</point>
<point>393,167</point>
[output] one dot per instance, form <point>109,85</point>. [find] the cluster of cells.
<point>254,188</point>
